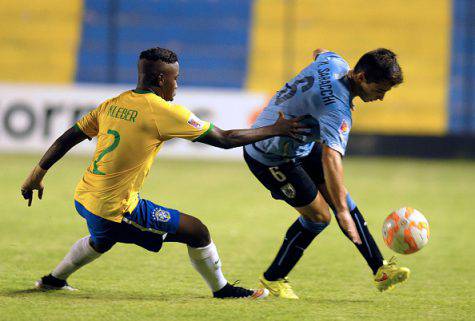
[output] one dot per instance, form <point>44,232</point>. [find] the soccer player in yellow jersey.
<point>130,129</point>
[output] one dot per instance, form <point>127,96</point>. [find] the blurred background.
<point>59,59</point>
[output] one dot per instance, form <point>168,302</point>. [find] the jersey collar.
<point>140,91</point>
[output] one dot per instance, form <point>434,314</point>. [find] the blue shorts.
<point>146,226</point>
<point>294,182</point>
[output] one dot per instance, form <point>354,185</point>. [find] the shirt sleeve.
<point>335,130</point>
<point>89,124</point>
<point>177,121</point>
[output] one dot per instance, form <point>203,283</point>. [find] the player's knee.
<point>317,216</point>
<point>324,217</point>
<point>200,236</point>
<point>317,211</point>
<point>100,247</point>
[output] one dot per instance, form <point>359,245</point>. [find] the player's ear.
<point>361,77</point>
<point>160,80</point>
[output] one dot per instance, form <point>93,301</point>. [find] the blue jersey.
<point>321,92</point>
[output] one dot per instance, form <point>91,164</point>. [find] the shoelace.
<point>392,262</point>
<point>241,292</point>
<point>287,284</point>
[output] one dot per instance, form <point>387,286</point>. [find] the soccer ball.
<point>406,230</point>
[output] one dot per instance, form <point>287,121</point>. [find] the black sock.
<point>297,239</point>
<point>368,248</point>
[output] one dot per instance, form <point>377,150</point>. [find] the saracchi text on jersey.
<point>325,84</point>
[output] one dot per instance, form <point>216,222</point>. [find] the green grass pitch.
<point>332,280</point>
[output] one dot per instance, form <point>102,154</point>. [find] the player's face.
<point>373,90</point>
<point>169,81</point>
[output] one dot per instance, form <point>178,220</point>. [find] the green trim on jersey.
<point>205,133</point>
<point>140,91</point>
<point>79,128</point>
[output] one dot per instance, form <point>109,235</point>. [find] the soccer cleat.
<point>389,275</point>
<point>230,291</point>
<point>49,282</point>
<point>280,288</point>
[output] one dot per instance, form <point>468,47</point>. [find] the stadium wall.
<point>462,77</point>
<point>211,38</point>
<point>39,40</point>
<point>253,47</point>
<point>350,28</point>
<point>30,123</point>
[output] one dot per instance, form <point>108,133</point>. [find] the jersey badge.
<point>195,122</point>
<point>288,190</point>
<point>344,128</point>
<point>161,215</point>
<point>344,131</point>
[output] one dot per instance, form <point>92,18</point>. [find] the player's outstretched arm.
<point>240,137</point>
<point>333,171</point>
<point>61,146</point>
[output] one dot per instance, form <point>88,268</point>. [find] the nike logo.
<point>216,263</point>
<point>257,293</point>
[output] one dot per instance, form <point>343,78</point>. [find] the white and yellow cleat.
<point>280,288</point>
<point>389,275</point>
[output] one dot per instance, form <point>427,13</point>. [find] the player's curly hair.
<point>380,65</point>
<point>159,54</point>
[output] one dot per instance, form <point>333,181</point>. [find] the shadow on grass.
<point>118,296</point>
<point>333,300</point>
<point>101,295</point>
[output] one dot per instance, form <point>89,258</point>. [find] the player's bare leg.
<point>314,218</point>
<point>386,274</point>
<point>205,259</point>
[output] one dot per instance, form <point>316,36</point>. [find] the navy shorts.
<point>146,226</point>
<point>294,182</point>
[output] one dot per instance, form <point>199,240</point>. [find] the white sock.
<point>206,261</point>
<point>81,253</point>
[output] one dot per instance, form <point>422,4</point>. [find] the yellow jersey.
<point>130,128</point>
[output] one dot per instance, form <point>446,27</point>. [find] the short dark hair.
<point>159,54</point>
<point>380,65</point>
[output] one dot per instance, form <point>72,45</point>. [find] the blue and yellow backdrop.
<point>256,45</point>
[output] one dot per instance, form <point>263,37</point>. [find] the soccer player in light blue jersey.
<point>307,173</point>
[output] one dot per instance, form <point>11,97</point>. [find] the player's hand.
<point>348,225</point>
<point>291,127</point>
<point>33,182</point>
<point>318,51</point>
